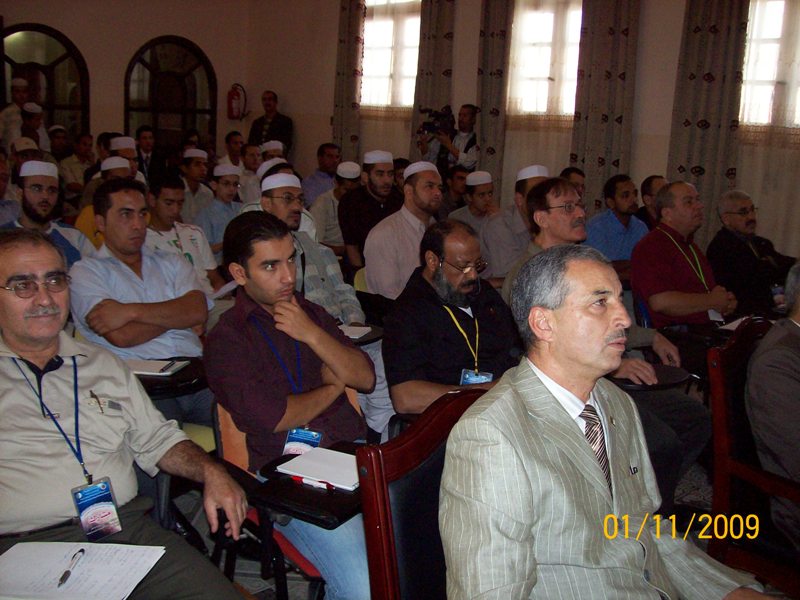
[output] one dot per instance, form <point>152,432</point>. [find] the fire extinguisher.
<point>237,102</point>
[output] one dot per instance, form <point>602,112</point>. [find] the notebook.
<point>158,368</point>
<point>325,467</point>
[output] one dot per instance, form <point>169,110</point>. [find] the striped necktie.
<point>594,435</point>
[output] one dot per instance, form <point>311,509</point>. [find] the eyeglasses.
<point>28,288</point>
<point>479,266</point>
<point>743,212</point>
<point>38,188</point>
<point>569,207</point>
<point>289,199</point>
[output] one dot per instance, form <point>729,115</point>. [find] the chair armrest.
<point>246,480</point>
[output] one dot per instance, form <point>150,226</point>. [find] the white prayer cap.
<point>57,128</point>
<point>115,162</point>
<point>19,82</point>
<point>421,165</point>
<point>279,180</point>
<point>532,171</point>
<point>222,170</point>
<point>38,167</point>
<point>271,145</point>
<point>268,164</point>
<point>122,142</point>
<point>479,178</point>
<point>32,107</point>
<point>21,144</point>
<point>348,170</point>
<point>374,157</point>
<point>195,153</point>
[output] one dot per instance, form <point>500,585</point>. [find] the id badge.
<point>469,376</point>
<point>97,509</point>
<point>300,440</point>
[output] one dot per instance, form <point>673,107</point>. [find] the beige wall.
<point>290,46</point>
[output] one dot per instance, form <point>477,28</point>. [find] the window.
<point>545,40</point>
<point>391,50</point>
<point>771,85</point>
<point>171,86</point>
<point>55,70</point>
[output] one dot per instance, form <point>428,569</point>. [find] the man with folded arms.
<point>48,379</point>
<point>279,364</point>
<point>537,468</point>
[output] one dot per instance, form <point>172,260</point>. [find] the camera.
<point>438,121</point>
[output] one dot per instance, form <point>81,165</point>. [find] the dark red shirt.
<point>248,380</point>
<point>658,265</point>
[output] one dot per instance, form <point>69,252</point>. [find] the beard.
<point>451,295</point>
<point>37,217</point>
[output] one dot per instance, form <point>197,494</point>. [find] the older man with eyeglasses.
<point>747,264</point>
<point>447,330</point>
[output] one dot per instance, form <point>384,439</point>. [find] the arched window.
<point>57,76</point>
<point>171,86</point>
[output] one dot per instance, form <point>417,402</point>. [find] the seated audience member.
<point>278,363</point>
<point>616,231</point>
<point>272,149</point>
<point>103,152</point>
<point>113,167</point>
<point>670,272</point>
<point>576,177</point>
<point>455,193</point>
<point>250,183</point>
<point>40,206</point>
<point>139,303</point>
<point>745,263</point>
<point>537,464</point>
<point>214,218</point>
<point>446,330</point>
<point>676,427</point>
<point>325,209</point>
<point>9,207</point>
<point>400,165</point>
<point>33,125</point>
<point>479,194</point>
<point>391,251</point>
<point>194,169</point>
<point>118,427</point>
<point>272,125</point>
<point>319,279</point>
<point>773,403</point>
<point>59,142</point>
<point>23,149</point>
<point>11,115</point>
<point>151,162</point>
<point>363,208</point>
<point>74,166</point>
<point>166,234</point>
<point>125,147</point>
<point>322,180</point>
<point>505,236</point>
<point>234,142</point>
<point>647,213</point>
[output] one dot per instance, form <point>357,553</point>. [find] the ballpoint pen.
<point>72,564</point>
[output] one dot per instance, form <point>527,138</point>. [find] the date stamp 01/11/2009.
<point>706,526</point>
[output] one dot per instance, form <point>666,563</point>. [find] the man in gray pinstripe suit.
<point>526,510</point>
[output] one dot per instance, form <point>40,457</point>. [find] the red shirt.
<point>660,264</point>
<point>249,381</point>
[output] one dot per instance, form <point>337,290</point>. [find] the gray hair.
<point>541,282</point>
<point>727,200</point>
<point>792,289</point>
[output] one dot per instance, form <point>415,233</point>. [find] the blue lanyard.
<point>76,448</point>
<point>296,385</point>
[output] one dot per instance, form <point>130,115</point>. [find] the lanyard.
<point>696,267</point>
<point>76,448</point>
<point>296,385</point>
<point>473,351</point>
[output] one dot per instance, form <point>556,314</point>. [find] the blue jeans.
<point>339,554</point>
<point>191,408</point>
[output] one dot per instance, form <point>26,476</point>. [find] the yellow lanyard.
<point>696,267</point>
<point>473,351</point>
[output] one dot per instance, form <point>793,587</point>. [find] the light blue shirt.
<point>315,184</point>
<point>69,240</point>
<point>213,220</point>
<point>606,234</point>
<point>165,276</point>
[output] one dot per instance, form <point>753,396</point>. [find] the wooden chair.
<point>741,486</point>
<point>399,483</point>
<point>275,547</point>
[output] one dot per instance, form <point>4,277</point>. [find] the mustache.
<point>752,222</point>
<point>43,311</point>
<point>616,336</point>
<point>579,222</point>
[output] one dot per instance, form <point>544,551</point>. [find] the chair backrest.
<point>399,484</point>
<point>231,443</point>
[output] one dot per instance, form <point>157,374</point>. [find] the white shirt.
<point>189,242</point>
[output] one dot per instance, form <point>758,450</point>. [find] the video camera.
<point>438,121</point>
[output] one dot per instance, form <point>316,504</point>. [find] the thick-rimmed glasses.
<point>28,288</point>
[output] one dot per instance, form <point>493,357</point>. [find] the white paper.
<point>326,466</point>
<point>733,324</point>
<point>354,332</point>
<point>224,290</point>
<point>155,367</point>
<point>31,570</point>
